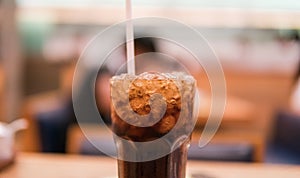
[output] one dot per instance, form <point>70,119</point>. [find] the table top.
<point>34,165</point>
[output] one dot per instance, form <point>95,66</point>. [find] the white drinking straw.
<point>129,39</point>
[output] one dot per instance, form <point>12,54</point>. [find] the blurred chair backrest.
<point>40,76</point>
<point>2,85</point>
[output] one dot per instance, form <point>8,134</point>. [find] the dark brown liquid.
<point>169,166</point>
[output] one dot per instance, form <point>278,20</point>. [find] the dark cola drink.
<point>152,121</point>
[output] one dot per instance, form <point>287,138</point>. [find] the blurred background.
<point>256,41</point>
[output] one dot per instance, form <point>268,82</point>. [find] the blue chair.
<point>285,146</point>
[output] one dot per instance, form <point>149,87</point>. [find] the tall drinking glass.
<point>152,117</point>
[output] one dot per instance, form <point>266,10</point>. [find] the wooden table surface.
<point>34,165</point>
